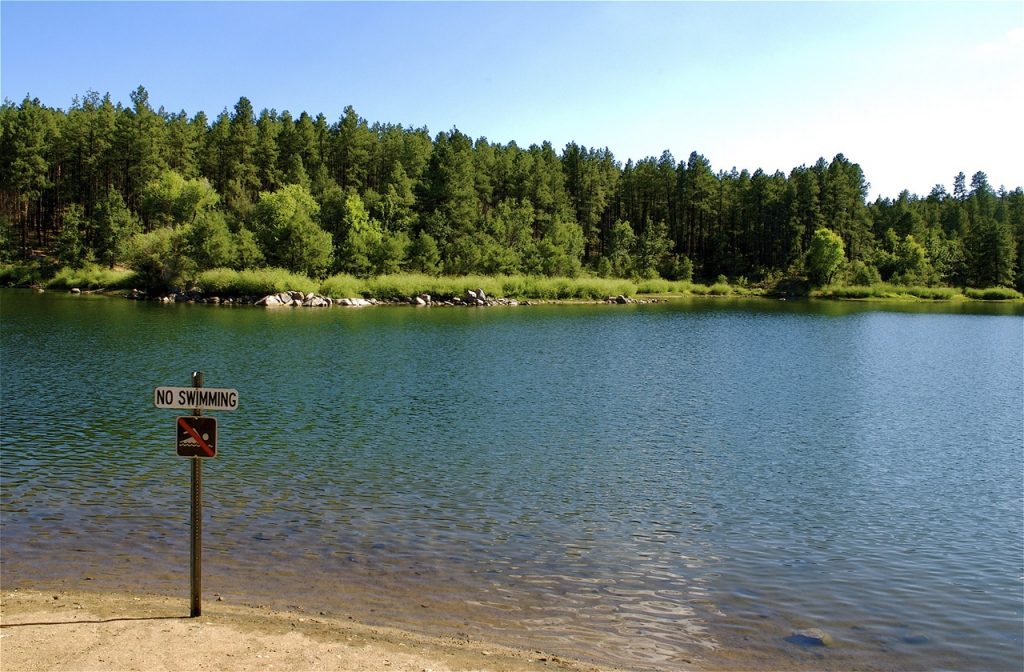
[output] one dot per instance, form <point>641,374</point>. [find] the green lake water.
<point>642,486</point>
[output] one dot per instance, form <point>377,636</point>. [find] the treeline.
<point>171,195</point>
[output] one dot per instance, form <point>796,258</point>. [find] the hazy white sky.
<point>913,92</point>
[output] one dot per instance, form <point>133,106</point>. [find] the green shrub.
<point>655,286</point>
<point>253,282</point>
<point>401,285</point>
<point>218,281</point>
<point>414,284</point>
<point>537,287</point>
<point>599,288</point>
<point>449,286</point>
<point>20,275</point>
<point>457,285</point>
<point>541,287</point>
<point>681,287</point>
<point>932,293</point>
<point>850,292</point>
<point>92,277</point>
<point>884,290</point>
<point>160,259</point>
<point>343,286</point>
<point>993,294</point>
<point>861,274</point>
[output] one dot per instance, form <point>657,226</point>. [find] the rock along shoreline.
<point>474,298</point>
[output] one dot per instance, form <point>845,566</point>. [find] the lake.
<point>647,486</point>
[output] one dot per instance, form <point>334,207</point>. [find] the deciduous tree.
<point>284,222</point>
<point>825,256</point>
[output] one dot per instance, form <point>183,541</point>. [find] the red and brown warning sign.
<point>197,436</point>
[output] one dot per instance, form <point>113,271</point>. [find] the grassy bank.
<point>660,287</point>
<point>225,282</point>
<point>994,294</point>
<point>90,277</point>
<point>885,291</point>
<point>253,282</point>
<point>508,286</point>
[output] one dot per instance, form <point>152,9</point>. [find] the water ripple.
<point>647,487</point>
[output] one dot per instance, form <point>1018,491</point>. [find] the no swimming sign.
<point>203,398</point>
<point>197,436</point>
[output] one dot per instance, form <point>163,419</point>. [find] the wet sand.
<point>65,630</point>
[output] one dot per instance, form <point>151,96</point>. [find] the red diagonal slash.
<point>202,444</point>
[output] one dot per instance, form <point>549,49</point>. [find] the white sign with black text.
<point>203,398</point>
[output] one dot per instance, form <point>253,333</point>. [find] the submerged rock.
<point>810,637</point>
<point>915,639</point>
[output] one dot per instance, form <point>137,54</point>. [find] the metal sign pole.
<point>196,545</point>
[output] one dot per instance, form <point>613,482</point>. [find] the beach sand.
<point>64,630</point>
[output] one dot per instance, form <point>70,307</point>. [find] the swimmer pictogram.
<point>197,436</point>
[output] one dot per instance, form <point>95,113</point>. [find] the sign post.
<point>196,438</point>
<point>196,546</point>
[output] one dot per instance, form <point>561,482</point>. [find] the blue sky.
<point>914,92</point>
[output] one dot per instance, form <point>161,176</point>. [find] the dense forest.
<point>171,194</point>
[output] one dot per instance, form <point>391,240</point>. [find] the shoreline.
<point>73,630</point>
<point>276,287</point>
<point>319,301</point>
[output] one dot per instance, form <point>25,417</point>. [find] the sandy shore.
<point>94,631</point>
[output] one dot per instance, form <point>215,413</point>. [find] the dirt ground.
<point>93,631</point>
